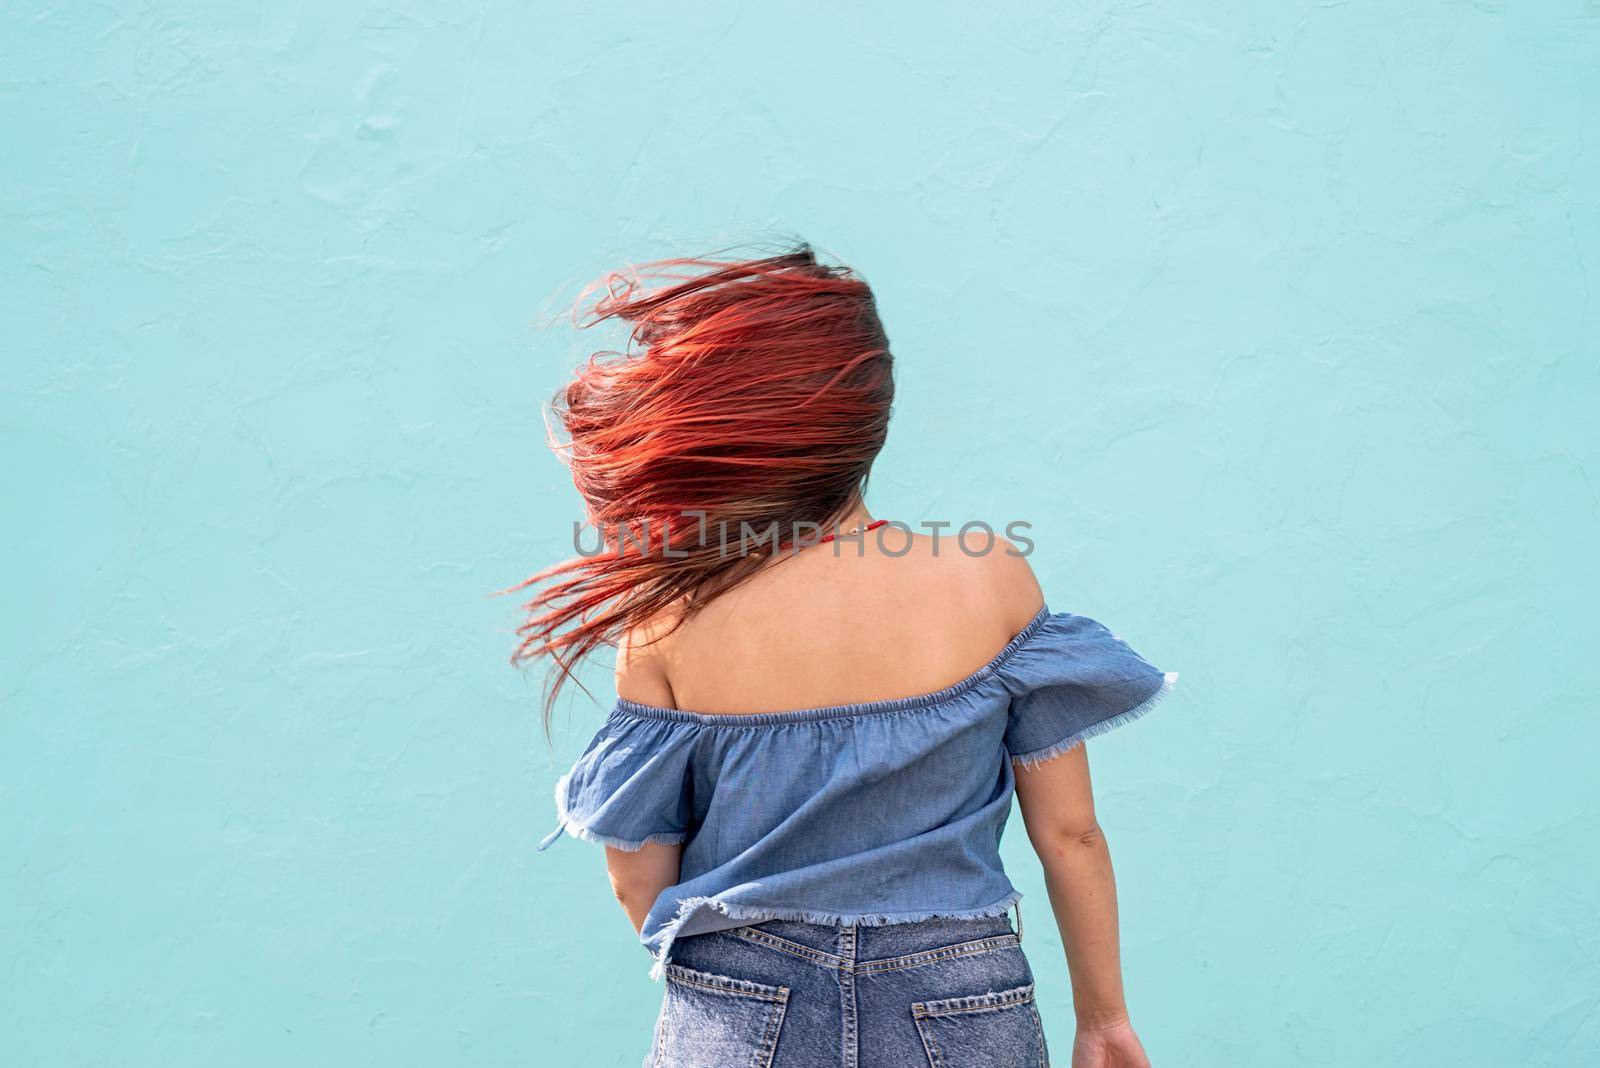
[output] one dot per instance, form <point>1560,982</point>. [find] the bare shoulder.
<point>1010,584</point>
<point>644,655</point>
<point>990,578</point>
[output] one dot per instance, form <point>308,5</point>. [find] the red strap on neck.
<point>874,525</point>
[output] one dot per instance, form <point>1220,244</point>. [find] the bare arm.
<point>1057,803</point>
<point>639,876</point>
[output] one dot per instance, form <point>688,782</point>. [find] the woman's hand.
<point>1108,1045</point>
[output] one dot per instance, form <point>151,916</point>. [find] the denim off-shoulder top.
<point>882,812</point>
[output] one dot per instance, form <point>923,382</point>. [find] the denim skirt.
<point>944,993</point>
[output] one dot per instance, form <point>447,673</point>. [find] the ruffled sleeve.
<point>1071,680</point>
<point>630,787</point>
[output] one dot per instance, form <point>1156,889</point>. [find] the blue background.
<point>1275,319</point>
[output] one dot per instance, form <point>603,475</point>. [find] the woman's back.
<point>811,760</point>
<point>805,778</point>
<point>885,615</point>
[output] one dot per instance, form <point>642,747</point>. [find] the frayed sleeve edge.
<point>1037,756</point>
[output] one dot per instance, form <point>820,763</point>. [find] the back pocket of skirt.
<point>1000,1029</point>
<point>716,1021</point>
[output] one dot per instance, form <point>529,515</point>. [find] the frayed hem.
<point>564,822</point>
<point>1066,745</point>
<point>757,914</point>
<point>577,830</point>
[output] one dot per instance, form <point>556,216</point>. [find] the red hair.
<point>753,391</point>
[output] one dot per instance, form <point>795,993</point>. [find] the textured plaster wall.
<point>1275,319</point>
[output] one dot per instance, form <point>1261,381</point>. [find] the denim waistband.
<point>876,947</point>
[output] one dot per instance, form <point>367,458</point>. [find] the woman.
<point>821,718</point>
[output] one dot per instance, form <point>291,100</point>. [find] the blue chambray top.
<point>880,812</point>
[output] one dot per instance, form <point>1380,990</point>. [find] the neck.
<point>853,518</point>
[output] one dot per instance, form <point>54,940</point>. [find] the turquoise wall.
<point>1276,321</point>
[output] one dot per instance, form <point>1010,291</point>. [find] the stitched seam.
<point>932,956</point>
<point>783,945</point>
<point>992,1006</point>
<point>958,949</point>
<point>929,1046</point>
<point>998,999</point>
<point>769,1040</point>
<point>726,990</point>
<point>677,976</point>
<point>847,993</point>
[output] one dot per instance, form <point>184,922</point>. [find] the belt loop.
<point>1018,905</point>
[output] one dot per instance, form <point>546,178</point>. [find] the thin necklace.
<point>874,525</point>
